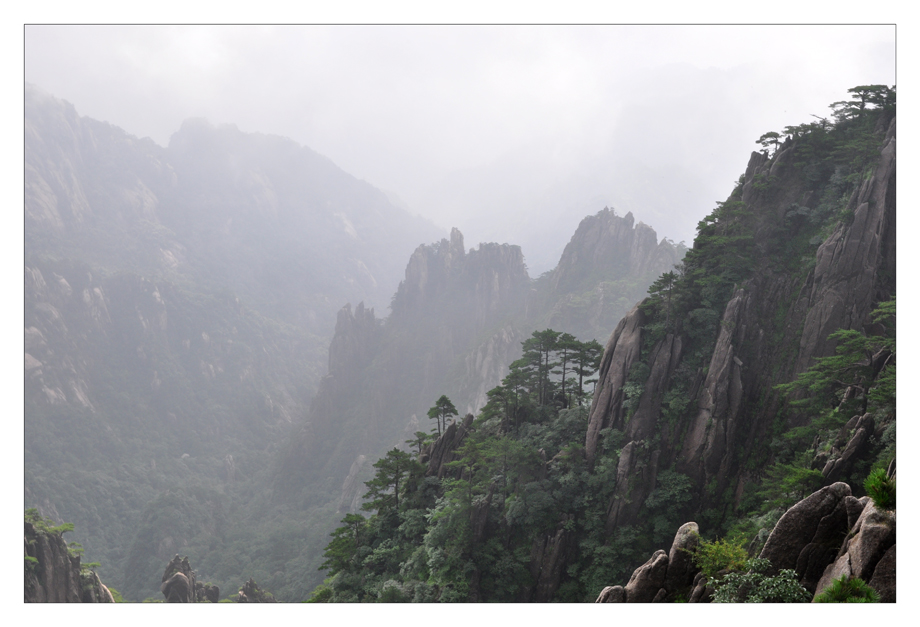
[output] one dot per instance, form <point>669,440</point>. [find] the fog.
<point>510,133</point>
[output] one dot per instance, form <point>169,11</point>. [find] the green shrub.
<point>848,590</point>
<point>714,557</point>
<point>880,488</point>
<point>755,586</point>
<point>322,594</point>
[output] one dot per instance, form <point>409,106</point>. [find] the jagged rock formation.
<point>384,373</point>
<point>179,584</point>
<point>54,575</point>
<point>604,270</point>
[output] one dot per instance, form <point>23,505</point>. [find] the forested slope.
<point>760,370</point>
<point>178,306</point>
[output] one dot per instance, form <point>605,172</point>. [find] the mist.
<point>510,133</point>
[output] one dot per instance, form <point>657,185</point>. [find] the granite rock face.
<point>868,552</point>
<point>443,450</point>
<point>53,575</point>
<point>813,521</point>
<point>771,328</point>
<point>604,250</point>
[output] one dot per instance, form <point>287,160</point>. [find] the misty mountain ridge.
<point>179,302</point>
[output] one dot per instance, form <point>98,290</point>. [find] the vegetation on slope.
<point>520,483</point>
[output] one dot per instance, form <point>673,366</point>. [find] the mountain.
<point>178,306</point>
<point>179,303</point>
<point>457,322</point>
<point>760,371</point>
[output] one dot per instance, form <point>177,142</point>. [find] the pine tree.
<point>391,469</point>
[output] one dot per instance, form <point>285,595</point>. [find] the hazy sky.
<point>511,133</point>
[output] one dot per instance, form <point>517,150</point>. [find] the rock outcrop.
<point>443,450</point>
<point>825,536</point>
<point>179,584</point>
<point>548,556</point>
<point>251,593</point>
<point>622,350</point>
<point>806,538</point>
<point>868,552</point>
<point>604,270</point>
<point>54,575</point>
<point>664,577</point>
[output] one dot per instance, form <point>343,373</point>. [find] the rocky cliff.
<point>451,330</point>
<point>53,572</point>
<point>776,319</point>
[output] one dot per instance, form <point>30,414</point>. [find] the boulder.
<point>681,569</point>
<point>702,591</point>
<point>798,526</point>
<point>823,548</point>
<point>874,535</point>
<point>648,579</point>
<point>177,589</point>
<point>178,582</point>
<point>867,552</point>
<point>612,594</point>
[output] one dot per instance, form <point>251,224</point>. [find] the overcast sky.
<point>511,133</point>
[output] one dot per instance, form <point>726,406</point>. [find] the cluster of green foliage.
<point>718,557</point>
<point>551,375</point>
<point>519,474</point>
<point>45,525</point>
<point>848,590</point>
<point>754,585</point>
<point>881,488</point>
